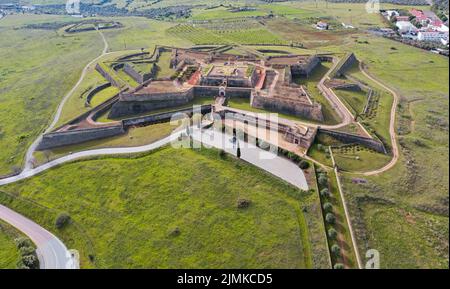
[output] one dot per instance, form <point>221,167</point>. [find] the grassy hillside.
<point>38,68</point>
<point>175,208</point>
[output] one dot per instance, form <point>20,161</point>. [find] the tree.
<point>332,233</point>
<point>62,220</point>
<point>328,206</point>
<point>335,249</point>
<point>303,165</point>
<point>330,218</point>
<point>338,266</point>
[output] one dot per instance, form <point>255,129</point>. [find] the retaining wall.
<point>352,138</point>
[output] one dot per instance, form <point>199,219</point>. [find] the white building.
<point>406,27</point>
<point>392,13</point>
<point>432,36</point>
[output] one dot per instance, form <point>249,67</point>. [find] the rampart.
<point>352,138</point>
<point>130,104</point>
<point>128,69</point>
<point>64,138</point>
<point>163,117</point>
<point>343,64</point>
<point>106,75</point>
<point>310,111</point>
<point>95,90</point>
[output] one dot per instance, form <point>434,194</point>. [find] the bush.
<point>323,180</point>
<point>62,220</point>
<point>303,165</point>
<point>26,251</point>
<point>222,154</point>
<point>325,193</point>
<point>23,242</point>
<point>335,249</point>
<point>338,266</point>
<point>330,218</point>
<point>30,261</point>
<point>328,206</point>
<point>175,232</point>
<point>243,203</point>
<point>332,233</point>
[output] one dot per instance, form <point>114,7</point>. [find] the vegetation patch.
<point>127,207</point>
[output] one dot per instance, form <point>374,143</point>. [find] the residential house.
<point>406,27</point>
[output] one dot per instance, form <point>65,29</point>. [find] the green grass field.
<point>202,36</point>
<point>38,68</point>
<point>174,209</point>
<point>9,253</point>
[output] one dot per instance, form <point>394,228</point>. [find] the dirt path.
<point>392,132</point>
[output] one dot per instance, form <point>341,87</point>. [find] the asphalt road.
<point>51,252</point>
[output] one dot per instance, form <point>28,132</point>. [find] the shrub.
<point>30,261</point>
<point>222,154</point>
<point>23,242</point>
<point>323,180</point>
<point>335,249</point>
<point>303,165</point>
<point>338,266</point>
<point>243,203</point>
<point>330,218</point>
<point>62,220</point>
<point>175,232</point>
<point>325,193</point>
<point>327,206</point>
<point>25,251</point>
<point>332,233</point>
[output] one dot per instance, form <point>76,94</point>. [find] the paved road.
<point>51,252</point>
<point>270,162</point>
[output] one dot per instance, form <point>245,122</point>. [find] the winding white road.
<point>51,252</point>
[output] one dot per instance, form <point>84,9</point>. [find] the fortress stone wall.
<point>64,138</point>
<point>163,117</point>
<point>305,68</point>
<point>71,137</point>
<point>106,75</point>
<point>352,138</point>
<point>310,111</point>
<point>348,60</point>
<point>95,90</point>
<point>139,78</point>
<point>130,103</point>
